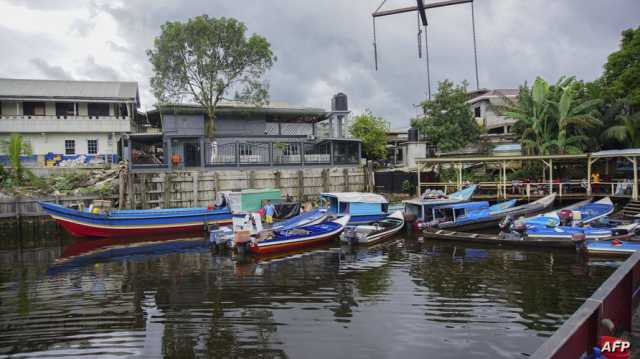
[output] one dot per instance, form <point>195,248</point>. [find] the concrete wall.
<point>189,189</point>
<point>54,142</point>
<point>413,150</point>
<point>488,116</point>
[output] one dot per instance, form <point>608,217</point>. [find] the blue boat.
<point>588,218</point>
<point>315,216</point>
<point>475,215</point>
<point>614,247</point>
<point>361,207</point>
<point>295,238</point>
<point>421,208</point>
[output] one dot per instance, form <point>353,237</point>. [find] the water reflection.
<point>173,297</point>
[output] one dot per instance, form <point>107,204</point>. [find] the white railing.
<point>61,124</point>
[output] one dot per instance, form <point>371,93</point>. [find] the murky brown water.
<point>401,299</point>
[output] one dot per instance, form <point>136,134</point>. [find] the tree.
<point>621,78</point>
<point>204,59</point>
<point>372,131</point>
<point>14,148</point>
<point>552,119</point>
<point>627,131</point>
<point>448,121</point>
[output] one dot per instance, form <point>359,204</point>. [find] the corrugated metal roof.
<point>614,153</point>
<point>67,89</point>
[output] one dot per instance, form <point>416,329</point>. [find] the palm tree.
<point>627,132</point>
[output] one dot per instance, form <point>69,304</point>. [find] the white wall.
<point>54,142</point>
<point>413,150</point>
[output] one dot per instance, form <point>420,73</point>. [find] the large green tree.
<point>372,131</point>
<point>552,119</point>
<point>448,121</point>
<point>621,78</point>
<point>205,59</point>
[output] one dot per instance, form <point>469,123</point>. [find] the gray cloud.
<point>325,47</point>
<point>50,71</point>
<point>82,27</point>
<point>94,71</point>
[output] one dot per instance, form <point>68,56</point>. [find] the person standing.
<point>269,211</point>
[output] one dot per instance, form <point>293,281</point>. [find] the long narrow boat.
<point>135,222</point>
<point>307,218</point>
<point>375,232</point>
<point>491,215</point>
<point>447,235</point>
<point>290,239</point>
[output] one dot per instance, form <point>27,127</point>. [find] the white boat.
<point>374,232</point>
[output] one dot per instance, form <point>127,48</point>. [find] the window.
<point>121,110</point>
<point>33,108</point>
<point>64,109</point>
<point>98,109</point>
<point>92,147</point>
<point>477,112</point>
<point>69,147</point>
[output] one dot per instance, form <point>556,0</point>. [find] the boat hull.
<point>135,223</point>
<point>376,238</point>
<point>323,233</point>
<point>612,247</point>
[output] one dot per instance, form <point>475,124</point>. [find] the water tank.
<point>339,102</point>
<point>413,134</point>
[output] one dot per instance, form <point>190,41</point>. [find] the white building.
<point>68,117</point>
<point>485,104</point>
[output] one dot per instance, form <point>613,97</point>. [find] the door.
<point>191,154</point>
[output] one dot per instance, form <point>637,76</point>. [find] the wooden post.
<point>460,176</point>
<point>251,179</point>
<point>194,196</point>
<point>589,163</point>
<point>325,180</point>
<point>166,190</point>
<point>550,176</point>
<point>277,176</point>
<point>131,196</point>
<point>345,174</point>
<point>143,192</point>
<point>121,188</point>
<point>369,177</point>
<point>634,193</point>
<point>300,185</point>
<point>528,191</point>
<point>418,187</point>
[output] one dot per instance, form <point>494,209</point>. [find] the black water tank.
<point>413,134</point>
<point>339,102</point>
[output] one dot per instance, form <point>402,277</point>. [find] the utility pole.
<point>421,8</point>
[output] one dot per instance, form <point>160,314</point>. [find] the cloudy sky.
<point>324,47</point>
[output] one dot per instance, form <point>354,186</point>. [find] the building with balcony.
<point>68,118</point>
<point>246,136</point>
<point>485,105</point>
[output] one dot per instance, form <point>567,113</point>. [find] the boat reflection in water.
<point>85,252</point>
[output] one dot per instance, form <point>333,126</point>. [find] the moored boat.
<point>374,232</point>
<point>360,206</point>
<point>475,215</point>
<point>294,238</point>
<point>449,235</point>
<point>419,210</point>
<point>584,219</point>
<point>114,223</point>
<point>612,247</point>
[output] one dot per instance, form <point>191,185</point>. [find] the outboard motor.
<point>566,217</point>
<point>521,229</point>
<point>506,223</point>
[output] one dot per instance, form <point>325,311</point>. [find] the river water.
<point>176,298</point>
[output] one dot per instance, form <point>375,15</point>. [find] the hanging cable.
<point>426,52</point>
<point>419,38</point>
<point>475,51</point>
